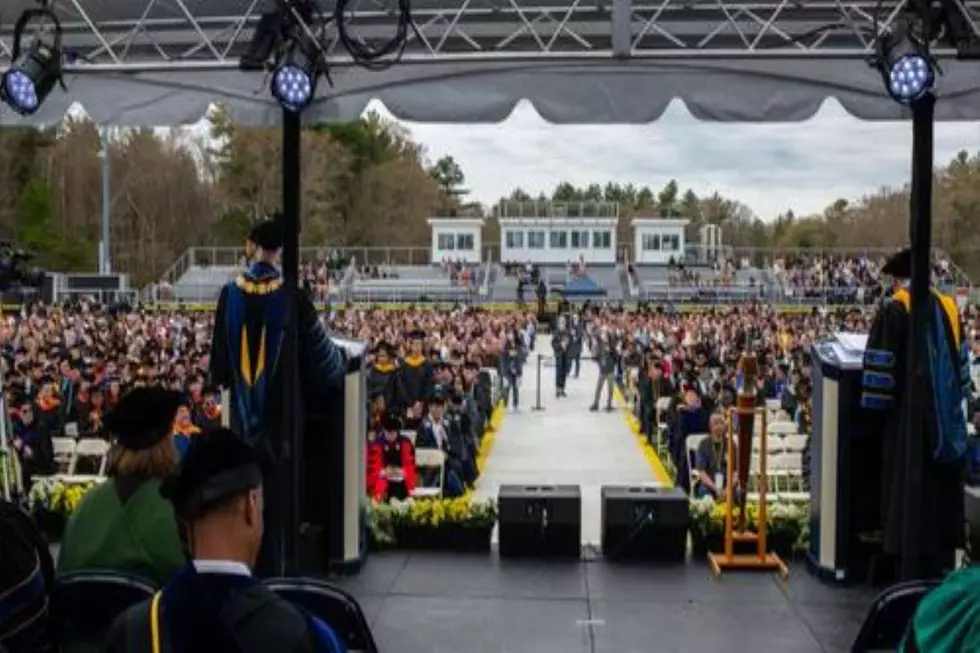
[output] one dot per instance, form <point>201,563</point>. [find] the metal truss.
<point>147,35</point>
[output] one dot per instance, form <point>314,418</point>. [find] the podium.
<point>334,536</point>
<point>845,462</point>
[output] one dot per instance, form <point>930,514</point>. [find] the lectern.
<point>845,462</point>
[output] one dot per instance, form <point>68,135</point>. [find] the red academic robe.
<point>384,453</point>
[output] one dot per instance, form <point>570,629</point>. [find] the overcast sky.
<point>772,167</point>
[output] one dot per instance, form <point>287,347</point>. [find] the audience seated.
<point>214,603</point>
<point>124,524</point>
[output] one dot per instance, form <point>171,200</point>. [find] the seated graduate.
<point>215,604</point>
<point>184,428</point>
<point>393,471</point>
<point>124,524</point>
<point>946,619</point>
<point>711,464</point>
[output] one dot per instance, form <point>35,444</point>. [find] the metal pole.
<point>538,406</point>
<point>105,258</point>
<point>290,494</point>
<point>917,368</point>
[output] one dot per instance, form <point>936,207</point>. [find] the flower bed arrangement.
<point>50,502</point>
<point>787,527</point>
<point>460,524</point>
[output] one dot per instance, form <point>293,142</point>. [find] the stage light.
<point>30,79</point>
<point>295,76</point>
<point>35,69</point>
<point>907,69</point>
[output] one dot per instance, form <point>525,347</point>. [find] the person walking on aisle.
<point>605,354</point>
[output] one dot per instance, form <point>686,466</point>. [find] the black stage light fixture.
<point>906,67</point>
<point>35,70</point>
<point>296,73</point>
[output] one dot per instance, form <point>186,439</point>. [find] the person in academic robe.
<point>208,414</point>
<point>384,380</point>
<point>214,603</point>
<point>32,442</point>
<point>946,618</point>
<point>393,472</point>
<point>246,347</point>
<point>184,428</point>
<point>124,524</point>
<point>248,337</point>
<point>47,407</point>
<point>416,374</point>
<point>884,397</point>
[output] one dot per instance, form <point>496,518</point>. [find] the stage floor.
<point>454,603</point>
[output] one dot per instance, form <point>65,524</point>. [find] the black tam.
<point>899,265</point>
<point>218,465</point>
<point>267,235</point>
<point>143,417</point>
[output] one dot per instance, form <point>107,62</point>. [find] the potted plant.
<point>52,501</point>
<point>459,524</point>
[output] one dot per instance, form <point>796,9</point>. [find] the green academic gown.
<point>948,618</point>
<point>124,525</point>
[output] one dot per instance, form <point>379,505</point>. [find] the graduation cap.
<point>217,466</point>
<point>471,365</point>
<point>382,348</point>
<point>143,417</point>
<point>392,421</point>
<point>417,334</point>
<point>899,265</point>
<point>439,396</point>
<point>267,235</point>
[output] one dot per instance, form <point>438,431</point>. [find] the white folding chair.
<point>91,448</point>
<point>64,452</point>
<point>782,428</point>
<point>426,459</point>
<point>691,443</point>
<point>795,443</point>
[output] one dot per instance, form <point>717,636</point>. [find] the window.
<point>559,239</point>
<point>535,239</point>
<point>515,239</point>
<point>447,241</point>
<point>464,242</point>
<point>602,239</point>
<point>670,242</point>
<point>651,242</point>
<point>580,239</point>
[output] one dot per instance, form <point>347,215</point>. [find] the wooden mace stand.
<point>761,560</point>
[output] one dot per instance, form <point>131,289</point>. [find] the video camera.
<point>15,271</point>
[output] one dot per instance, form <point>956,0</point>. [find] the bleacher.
<point>747,284</point>
<point>202,284</point>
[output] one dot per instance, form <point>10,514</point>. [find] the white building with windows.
<point>557,232</point>
<point>657,240</point>
<point>456,239</point>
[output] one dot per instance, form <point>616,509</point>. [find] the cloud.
<point>773,167</point>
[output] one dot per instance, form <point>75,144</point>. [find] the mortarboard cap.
<point>267,235</point>
<point>417,334</point>
<point>391,421</point>
<point>899,265</point>
<point>143,417</point>
<point>218,465</point>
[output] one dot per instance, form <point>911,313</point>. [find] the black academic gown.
<point>245,353</point>
<point>417,378</point>
<point>384,380</point>
<point>208,612</point>
<point>940,521</point>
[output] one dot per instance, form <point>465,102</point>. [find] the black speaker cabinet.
<point>644,523</point>
<point>540,520</point>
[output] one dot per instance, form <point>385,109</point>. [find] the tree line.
<point>367,184</point>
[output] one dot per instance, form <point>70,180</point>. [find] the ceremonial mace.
<point>748,366</point>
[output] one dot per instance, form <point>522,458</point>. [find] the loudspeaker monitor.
<point>540,520</point>
<point>644,523</point>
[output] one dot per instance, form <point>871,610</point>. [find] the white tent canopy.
<point>164,62</point>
